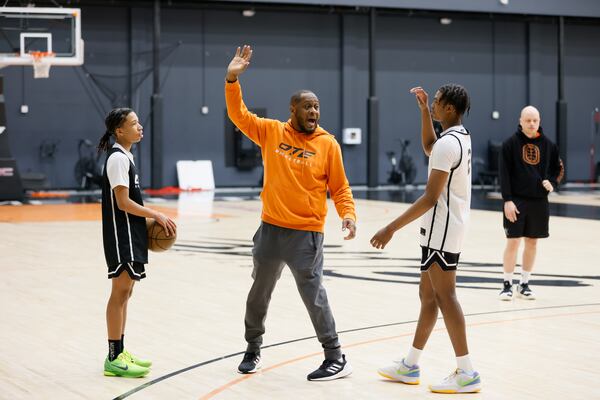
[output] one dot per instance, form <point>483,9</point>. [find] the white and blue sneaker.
<point>401,372</point>
<point>459,382</point>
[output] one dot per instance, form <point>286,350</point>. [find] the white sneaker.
<point>401,372</point>
<point>459,382</point>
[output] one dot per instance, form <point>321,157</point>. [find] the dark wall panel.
<point>582,90</point>
<point>323,52</point>
<point>355,74</point>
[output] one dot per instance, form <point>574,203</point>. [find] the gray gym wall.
<point>325,52</point>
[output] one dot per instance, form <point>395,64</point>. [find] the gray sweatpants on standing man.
<point>302,251</point>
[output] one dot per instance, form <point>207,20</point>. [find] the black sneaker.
<point>331,369</point>
<point>506,294</point>
<point>250,363</point>
<point>525,292</point>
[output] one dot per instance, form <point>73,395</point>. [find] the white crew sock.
<point>413,356</point>
<point>508,276</point>
<point>464,363</point>
<point>525,276</point>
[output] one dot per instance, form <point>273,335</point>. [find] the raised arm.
<point>250,124</point>
<point>428,136</point>
<point>239,63</point>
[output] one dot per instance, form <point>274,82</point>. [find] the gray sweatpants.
<point>302,251</point>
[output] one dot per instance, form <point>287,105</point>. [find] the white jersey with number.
<point>444,225</point>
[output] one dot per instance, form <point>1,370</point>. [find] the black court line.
<point>213,360</point>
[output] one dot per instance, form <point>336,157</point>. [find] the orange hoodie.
<point>299,168</point>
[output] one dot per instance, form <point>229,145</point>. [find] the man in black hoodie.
<point>530,169</point>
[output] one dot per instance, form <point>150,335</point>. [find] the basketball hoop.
<point>41,63</point>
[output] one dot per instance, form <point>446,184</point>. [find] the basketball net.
<point>41,63</point>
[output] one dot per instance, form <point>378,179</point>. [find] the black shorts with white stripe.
<point>447,261</point>
<point>135,270</point>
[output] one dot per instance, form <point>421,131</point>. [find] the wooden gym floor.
<point>187,316</point>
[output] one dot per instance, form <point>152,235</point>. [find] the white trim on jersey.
<point>114,220</point>
<point>443,226</point>
<point>129,233</point>
<point>127,153</point>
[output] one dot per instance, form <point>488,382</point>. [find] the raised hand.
<point>422,97</point>
<point>239,63</point>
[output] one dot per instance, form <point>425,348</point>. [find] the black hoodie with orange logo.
<point>525,162</point>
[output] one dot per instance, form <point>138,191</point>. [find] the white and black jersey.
<point>443,226</point>
<point>124,234</point>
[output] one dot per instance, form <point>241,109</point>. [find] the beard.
<point>306,129</point>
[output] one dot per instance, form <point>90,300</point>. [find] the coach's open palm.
<point>239,63</point>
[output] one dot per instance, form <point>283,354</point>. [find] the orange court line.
<point>63,212</point>
<point>234,382</point>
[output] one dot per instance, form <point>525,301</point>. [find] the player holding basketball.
<point>530,169</point>
<point>124,235</point>
<point>445,208</point>
<point>301,162</point>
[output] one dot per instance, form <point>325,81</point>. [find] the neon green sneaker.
<point>137,361</point>
<point>121,366</point>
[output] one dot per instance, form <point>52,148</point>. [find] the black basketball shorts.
<point>136,270</point>
<point>447,261</point>
<point>532,220</point>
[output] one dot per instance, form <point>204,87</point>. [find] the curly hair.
<point>457,96</point>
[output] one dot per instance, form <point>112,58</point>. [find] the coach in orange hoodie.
<point>301,161</point>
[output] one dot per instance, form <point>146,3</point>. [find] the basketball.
<point>158,240</point>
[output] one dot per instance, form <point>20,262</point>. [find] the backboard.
<point>40,37</point>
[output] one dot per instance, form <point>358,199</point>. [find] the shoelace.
<point>451,377</point>
<point>401,363</point>
<point>127,356</point>
<point>327,363</point>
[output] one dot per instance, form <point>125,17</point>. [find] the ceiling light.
<point>248,13</point>
<point>445,21</point>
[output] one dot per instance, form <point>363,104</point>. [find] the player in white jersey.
<point>445,210</point>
